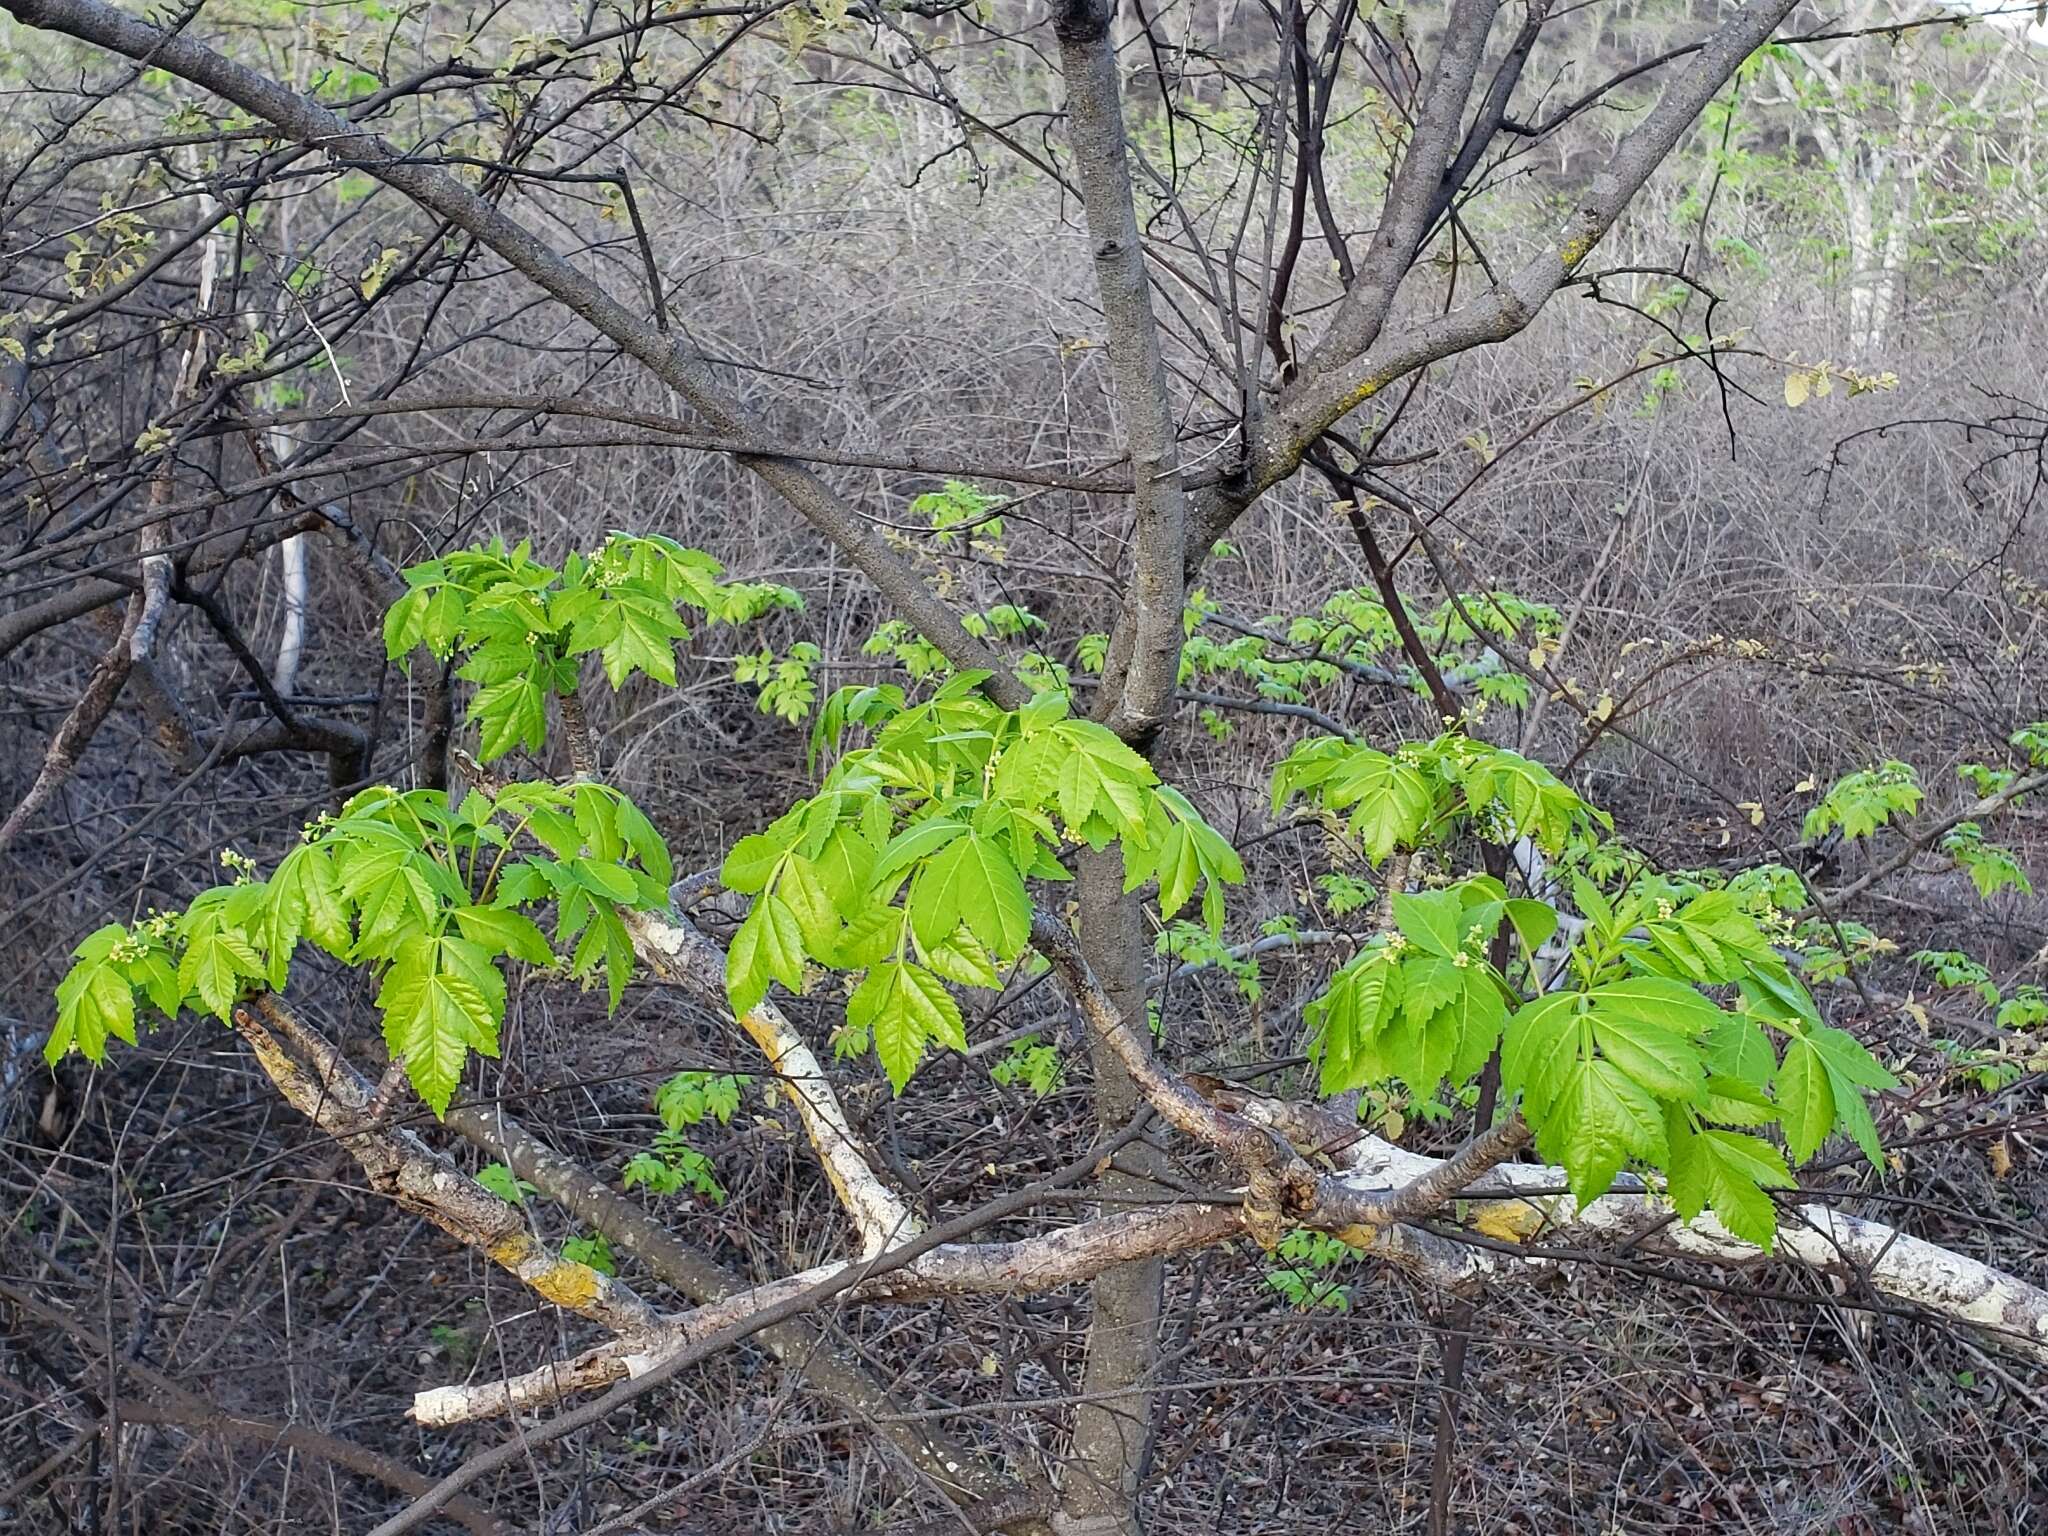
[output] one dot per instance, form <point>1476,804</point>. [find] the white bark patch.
<point>1895,1264</point>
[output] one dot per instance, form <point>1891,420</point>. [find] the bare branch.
<point>667,355</point>
<point>322,1086</point>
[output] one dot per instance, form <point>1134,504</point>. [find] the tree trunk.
<point>1099,1485</point>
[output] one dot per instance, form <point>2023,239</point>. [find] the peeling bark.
<point>674,950</point>
<point>315,1080</point>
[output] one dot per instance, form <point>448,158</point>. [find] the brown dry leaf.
<point>1999,1156</point>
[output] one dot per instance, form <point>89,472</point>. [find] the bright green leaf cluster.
<point>1625,1060</point>
<point>1354,629</point>
<point>787,689</point>
<point>429,896</point>
<point>962,507</point>
<point>2023,1008</point>
<point>1307,1280</point>
<point>672,1165</point>
<point>592,1249</point>
<point>1991,868</point>
<point>904,644</point>
<point>1421,1004</point>
<point>689,1098</point>
<point>1032,1062</point>
<point>1422,794</point>
<point>1864,801</point>
<point>911,862</point>
<point>1200,945</point>
<point>521,626</point>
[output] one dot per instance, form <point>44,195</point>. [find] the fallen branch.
<point>916,1271</point>
<point>676,951</point>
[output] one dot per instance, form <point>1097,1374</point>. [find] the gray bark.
<point>1112,1427</point>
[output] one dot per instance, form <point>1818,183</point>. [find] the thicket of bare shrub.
<point>880,296</point>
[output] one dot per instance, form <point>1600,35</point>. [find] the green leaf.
<point>1770,992</point>
<point>915,842</point>
<point>434,1015</point>
<point>1806,1099</point>
<point>1602,1117</point>
<point>1847,1059</point>
<point>158,977</point>
<point>1658,1001</point>
<point>1502,786</point>
<point>1177,868</point>
<point>963,959</point>
<point>904,1006</point>
<point>870,938</point>
<point>510,714</point>
<point>503,932</point>
<point>1100,776</point>
<point>307,877</point>
<point>1431,920</point>
<point>846,864</point>
<point>1664,1062</point>
<point>392,896</point>
<point>597,821</point>
<point>94,1003</point>
<point>1480,1012</point>
<point>605,942</point>
<point>1389,801</point>
<point>1731,1101</point>
<point>646,843</point>
<point>750,865</point>
<point>1862,802</point>
<point>591,1250</point>
<point>217,965</point>
<point>1347,1021</point>
<point>1429,982</point>
<point>606,880</point>
<point>405,624</point>
<point>1742,1168</point>
<point>1592,904</point>
<point>1534,922</point>
<point>817,917</point>
<point>441,621</point>
<point>971,880</point>
<point>1737,1047</point>
<point>1851,1069</point>
<point>1538,1048</point>
<point>633,631</point>
<point>769,946</point>
<point>1028,773</point>
<point>1730,1172</point>
<point>503,1183</point>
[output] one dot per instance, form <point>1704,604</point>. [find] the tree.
<point>1643,1031</point>
<point>1887,133</point>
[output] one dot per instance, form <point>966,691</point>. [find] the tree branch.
<point>1410,204</point>
<point>676,951</point>
<point>827,1370</point>
<point>1339,383</point>
<point>668,356</point>
<point>320,1084</point>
